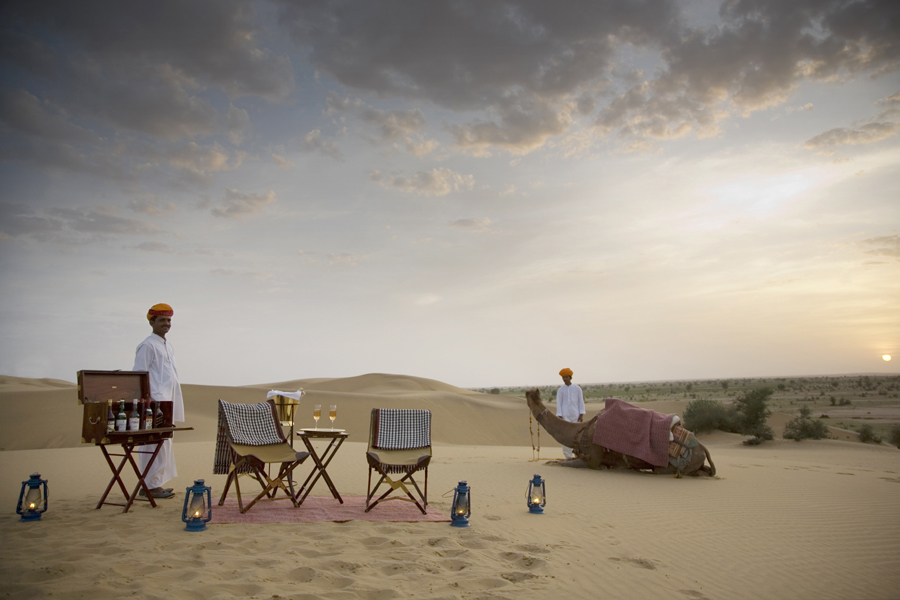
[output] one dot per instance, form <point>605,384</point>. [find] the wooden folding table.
<point>130,440</point>
<point>336,437</point>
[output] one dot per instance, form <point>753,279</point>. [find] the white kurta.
<point>156,356</point>
<point>569,406</point>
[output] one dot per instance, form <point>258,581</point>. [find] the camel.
<point>580,437</point>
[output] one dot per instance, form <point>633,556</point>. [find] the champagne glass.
<point>332,414</point>
<point>317,412</point>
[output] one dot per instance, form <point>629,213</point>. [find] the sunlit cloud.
<point>439,181</point>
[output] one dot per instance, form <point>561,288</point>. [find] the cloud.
<point>864,134</point>
<point>157,247</point>
<point>531,68</point>
<point>314,142</point>
<point>152,206</point>
<point>403,126</point>
<point>62,225</point>
<point>395,124</point>
<point>237,205</point>
<point>439,181</point>
<point>478,225</point>
<point>520,128</point>
<point>24,113</point>
<point>755,60</point>
<point>887,245</point>
<point>282,162</point>
<point>880,128</point>
<point>346,258</point>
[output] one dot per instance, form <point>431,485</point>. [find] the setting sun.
<point>886,357</point>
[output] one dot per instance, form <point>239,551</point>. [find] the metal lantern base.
<point>195,525</point>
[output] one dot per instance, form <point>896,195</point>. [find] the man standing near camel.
<point>569,404</point>
<point>156,356</point>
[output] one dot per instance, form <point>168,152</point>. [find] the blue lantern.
<point>197,506</point>
<point>33,494</point>
<point>462,505</point>
<point>537,495</point>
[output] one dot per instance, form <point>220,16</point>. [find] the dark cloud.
<point>472,55</point>
<point>143,66</point>
<point>763,50</point>
<point>531,66</point>
<point>60,223</point>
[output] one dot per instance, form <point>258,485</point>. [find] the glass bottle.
<point>148,416</point>
<point>121,417</point>
<point>159,419</point>
<point>134,417</point>
<point>110,417</point>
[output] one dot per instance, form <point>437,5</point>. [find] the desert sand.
<point>815,519</point>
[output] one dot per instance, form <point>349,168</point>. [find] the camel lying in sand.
<point>690,459</point>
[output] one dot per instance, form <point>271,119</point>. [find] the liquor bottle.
<point>159,420</point>
<point>110,418</point>
<point>148,416</point>
<point>121,418</point>
<point>134,417</point>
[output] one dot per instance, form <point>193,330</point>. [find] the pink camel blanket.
<point>634,431</point>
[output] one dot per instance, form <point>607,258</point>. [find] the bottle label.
<point>120,424</point>
<point>134,424</point>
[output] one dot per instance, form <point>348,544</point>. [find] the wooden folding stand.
<point>95,388</point>
<point>337,437</point>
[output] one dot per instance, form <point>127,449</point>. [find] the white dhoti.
<point>163,468</point>
<point>157,357</point>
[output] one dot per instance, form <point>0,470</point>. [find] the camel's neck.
<point>562,431</point>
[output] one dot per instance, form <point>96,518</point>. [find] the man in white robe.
<point>569,404</point>
<point>156,356</point>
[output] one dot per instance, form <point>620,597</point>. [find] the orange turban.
<point>566,371</point>
<point>160,310</point>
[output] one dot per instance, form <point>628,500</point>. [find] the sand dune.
<point>816,519</point>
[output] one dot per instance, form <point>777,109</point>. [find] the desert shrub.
<point>867,435</point>
<point>803,427</point>
<point>495,390</point>
<point>706,415</point>
<point>753,406</point>
<point>894,435</point>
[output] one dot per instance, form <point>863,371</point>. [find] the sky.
<point>476,192</point>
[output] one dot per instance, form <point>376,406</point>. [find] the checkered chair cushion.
<point>401,429</point>
<point>245,424</point>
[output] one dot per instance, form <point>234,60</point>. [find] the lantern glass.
<point>198,506</point>
<point>32,499</point>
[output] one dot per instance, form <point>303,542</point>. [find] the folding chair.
<point>249,439</point>
<point>399,444</point>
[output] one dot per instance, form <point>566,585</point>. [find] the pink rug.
<point>318,509</point>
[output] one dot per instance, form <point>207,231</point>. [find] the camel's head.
<point>533,397</point>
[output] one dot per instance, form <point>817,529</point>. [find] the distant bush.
<point>894,435</point>
<point>495,390</point>
<point>803,427</point>
<point>753,406</point>
<point>707,415</point>
<point>867,435</point>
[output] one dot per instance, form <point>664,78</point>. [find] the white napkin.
<point>295,395</point>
